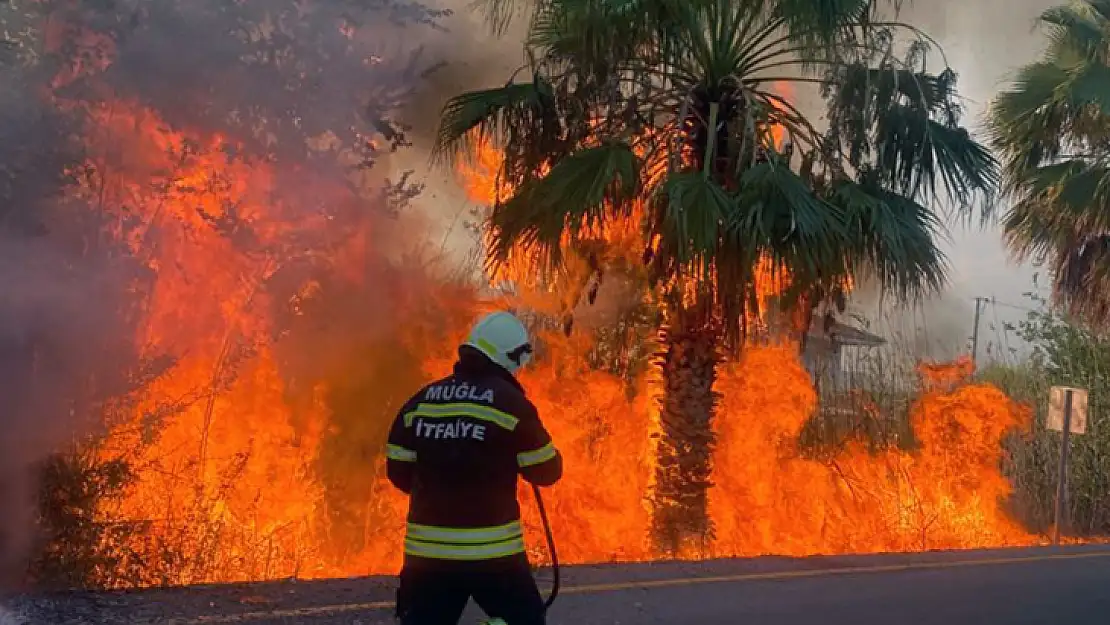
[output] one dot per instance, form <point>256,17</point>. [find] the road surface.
<point>1069,586</point>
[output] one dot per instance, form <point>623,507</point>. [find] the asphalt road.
<point>1044,592</point>
<point>1068,586</point>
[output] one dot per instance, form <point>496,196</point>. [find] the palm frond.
<point>498,14</point>
<point>1053,130</point>
<point>892,238</point>
<point>1026,123</point>
<point>821,21</point>
<point>690,208</point>
<point>1077,189</point>
<point>779,219</point>
<point>1090,86</point>
<point>581,191</point>
<point>489,111</point>
<point>779,216</point>
<point>1056,202</point>
<point>1100,8</point>
<point>598,34</point>
<point>691,85</point>
<point>904,125</point>
<point>1076,26</point>
<point>1082,284</point>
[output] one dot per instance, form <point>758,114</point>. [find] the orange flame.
<point>769,499</point>
<point>231,469</point>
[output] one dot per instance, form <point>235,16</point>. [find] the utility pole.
<point>975,330</point>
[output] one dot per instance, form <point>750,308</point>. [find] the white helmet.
<point>503,338</point>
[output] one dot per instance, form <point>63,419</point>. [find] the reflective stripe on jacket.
<point>476,543</point>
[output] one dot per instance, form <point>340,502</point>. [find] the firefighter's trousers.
<point>435,592</point>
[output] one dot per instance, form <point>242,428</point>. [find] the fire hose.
<point>551,550</point>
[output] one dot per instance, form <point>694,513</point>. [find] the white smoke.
<point>985,41</point>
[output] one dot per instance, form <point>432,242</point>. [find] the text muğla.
<point>457,392</point>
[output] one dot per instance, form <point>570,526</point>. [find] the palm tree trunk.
<point>688,367</point>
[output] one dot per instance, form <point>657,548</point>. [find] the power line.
<point>1016,306</point>
<point>980,301</point>
<point>997,302</point>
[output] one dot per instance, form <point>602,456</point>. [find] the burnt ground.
<point>1038,586</point>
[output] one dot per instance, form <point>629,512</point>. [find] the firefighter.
<point>456,448</point>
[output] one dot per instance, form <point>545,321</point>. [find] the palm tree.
<point>675,113</point>
<point>1052,131</point>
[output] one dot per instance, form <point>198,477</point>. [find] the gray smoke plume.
<point>59,322</point>
<point>272,76</point>
<point>985,41</point>
<point>64,349</point>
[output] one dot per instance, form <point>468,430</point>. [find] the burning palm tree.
<point>678,114</point>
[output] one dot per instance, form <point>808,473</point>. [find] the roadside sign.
<point>1067,413</point>
<point>1057,397</point>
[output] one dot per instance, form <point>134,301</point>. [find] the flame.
<point>214,439</point>
<point>233,465</point>
<point>784,90</point>
<point>769,496</point>
<point>770,499</point>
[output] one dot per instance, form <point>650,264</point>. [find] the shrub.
<point>1063,353</point>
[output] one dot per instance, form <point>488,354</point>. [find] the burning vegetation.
<point>269,308</point>
<point>770,494</point>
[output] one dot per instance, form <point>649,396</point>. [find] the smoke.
<point>281,78</point>
<point>59,324</point>
<point>314,88</point>
<point>64,349</point>
<point>476,60</point>
<point>985,58</point>
<point>985,41</point>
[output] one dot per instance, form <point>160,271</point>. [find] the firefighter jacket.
<point>456,448</point>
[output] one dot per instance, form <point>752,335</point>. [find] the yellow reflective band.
<point>396,452</point>
<point>462,536</point>
<point>538,456</point>
<point>474,411</point>
<point>464,552</point>
<point>488,348</point>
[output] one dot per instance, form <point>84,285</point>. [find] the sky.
<point>985,41</point>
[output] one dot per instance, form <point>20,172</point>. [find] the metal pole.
<point>975,333</point>
<point>1062,480</point>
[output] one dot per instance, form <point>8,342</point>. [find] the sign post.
<point>1067,413</point>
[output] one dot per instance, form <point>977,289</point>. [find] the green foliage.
<point>894,238</point>
<point>535,218</point>
<point>692,92</point>
<point>1064,353</point>
<point>77,550</point>
<point>1052,131</point>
